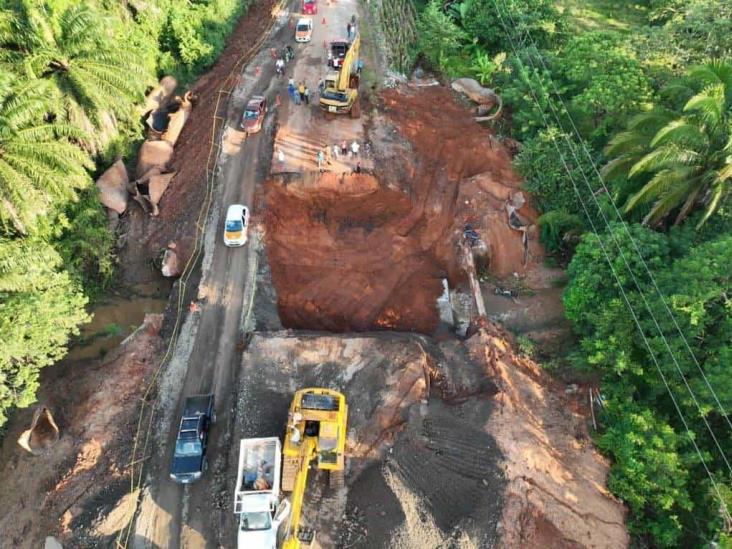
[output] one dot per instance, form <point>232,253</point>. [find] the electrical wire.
<point>616,277</point>
<point>625,261</point>
<point>624,224</point>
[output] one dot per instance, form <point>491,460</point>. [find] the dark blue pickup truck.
<point>189,456</point>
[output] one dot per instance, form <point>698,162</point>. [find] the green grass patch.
<point>619,15</point>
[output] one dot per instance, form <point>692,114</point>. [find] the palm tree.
<point>681,159</point>
<point>94,76</point>
<point>40,167</point>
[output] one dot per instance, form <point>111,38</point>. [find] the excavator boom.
<point>292,540</point>
<point>351,58</point>
<point>316,432</point>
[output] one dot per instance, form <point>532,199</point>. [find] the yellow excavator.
<point>316,430</point>
<point>340,94</point>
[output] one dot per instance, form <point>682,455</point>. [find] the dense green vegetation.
<point>72,75</point>
<point>643,91</point>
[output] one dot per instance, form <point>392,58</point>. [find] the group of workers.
<point>343,150</point>
<point>299,93</point>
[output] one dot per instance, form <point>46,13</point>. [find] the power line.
<point>622,254</point>
<point>621,219</point>
<point>617,279</point>
<point>620,250</point>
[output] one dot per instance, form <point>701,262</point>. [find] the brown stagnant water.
<point>115,316</point>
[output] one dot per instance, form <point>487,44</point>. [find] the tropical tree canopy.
<point>74,47</point>
<point>680,158</point>
<point>40,167</point>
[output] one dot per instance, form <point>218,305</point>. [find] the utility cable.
<point>617,279</point>
<point>622,222</point>
<point>622,254</point>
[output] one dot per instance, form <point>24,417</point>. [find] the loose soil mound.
<point>556,495</point>
<point>464,442</point>
<point>367,251</point>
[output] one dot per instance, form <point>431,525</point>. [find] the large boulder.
<point>149,189</point>
<point>154,154</point>
<point>112,185</point>
<point>160,94</point>
<point>485,97</point>
<point>178,119</point>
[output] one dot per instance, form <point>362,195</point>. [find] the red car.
<point>309,7</point>
<point>254,114</point>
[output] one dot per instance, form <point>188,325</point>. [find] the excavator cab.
<point>316,432</point>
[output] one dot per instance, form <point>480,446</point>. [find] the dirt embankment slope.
<point>148,236</point>
<point>368,251</point>
<point>68,491</point>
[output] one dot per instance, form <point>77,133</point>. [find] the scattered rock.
<point>52,543</point>
<point>112,185</point>
<point>172,266</point>
<point>43,432</point>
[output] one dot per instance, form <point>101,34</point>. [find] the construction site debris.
<point>112,185</point>
<point>42,434</point>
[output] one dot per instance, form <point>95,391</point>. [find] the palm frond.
<point>680,131</point>
<point>663,157</point>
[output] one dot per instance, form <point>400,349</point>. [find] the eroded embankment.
<point>368,251</point>
<point>70,489</point>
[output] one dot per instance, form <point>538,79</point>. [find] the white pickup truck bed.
<point>257,496</point>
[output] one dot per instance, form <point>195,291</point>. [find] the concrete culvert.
<point>43,432</point>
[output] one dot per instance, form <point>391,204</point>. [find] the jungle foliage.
<point>641,91</point>
<point>72,77</point>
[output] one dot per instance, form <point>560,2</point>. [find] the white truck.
<point>257,498</point>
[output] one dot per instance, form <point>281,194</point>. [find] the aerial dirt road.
<point>210,345</point>
<point>208,352</point>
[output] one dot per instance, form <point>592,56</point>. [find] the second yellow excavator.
<point>340,94</point>
<point>316,430</point>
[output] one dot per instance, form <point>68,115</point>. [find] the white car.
<point>237,223</point>
<point>304,29</point>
